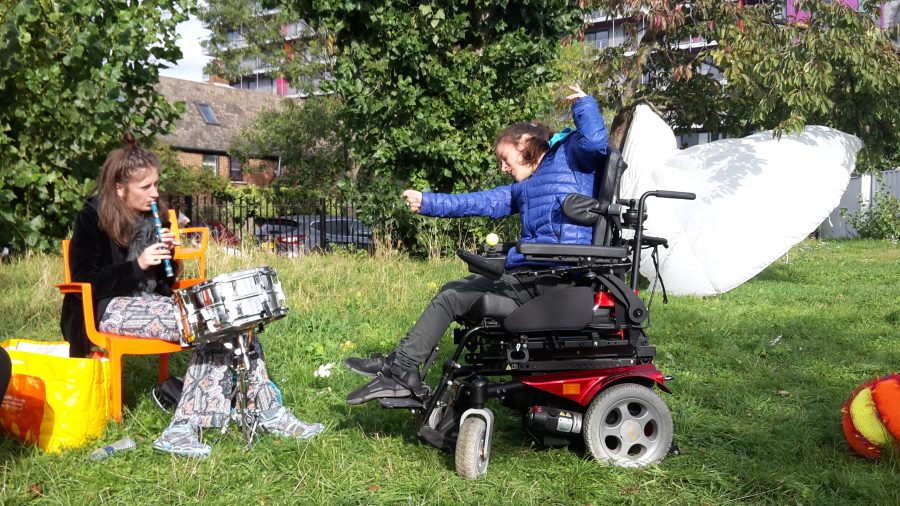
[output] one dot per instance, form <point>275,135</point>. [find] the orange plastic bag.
<point>54,401</point>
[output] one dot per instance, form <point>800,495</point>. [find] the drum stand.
<point>247,419</point>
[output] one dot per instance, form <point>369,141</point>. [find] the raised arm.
<point>588,143</point>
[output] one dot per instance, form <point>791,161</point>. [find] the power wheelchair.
<point>571,342</point>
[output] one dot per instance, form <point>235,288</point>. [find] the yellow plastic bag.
<point>54,401</point>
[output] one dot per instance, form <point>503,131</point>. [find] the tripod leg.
<point>249,419</point>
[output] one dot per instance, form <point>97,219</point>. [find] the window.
<point>235,169</point>
<point>250,63</point>
<point>235,38</point>
<point>208,116</point>
<point>598,39</point>
<point>211,163</point>
<point>265,85</point>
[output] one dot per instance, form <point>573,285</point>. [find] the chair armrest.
<point>181,284</point>
<point>570,252</point>
<point>87,305</point>
<point>197,253</point>
<point>73,287</point>
<point>204,238</point>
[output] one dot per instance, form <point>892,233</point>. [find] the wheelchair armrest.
<point>489,267</point>
<point>570,252</point>
<point>494,251</point>
<point>648,241</point>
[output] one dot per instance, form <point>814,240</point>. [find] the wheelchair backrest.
<point>607,231</point>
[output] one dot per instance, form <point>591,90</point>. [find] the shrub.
<point>881,218</point>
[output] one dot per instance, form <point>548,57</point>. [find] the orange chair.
<point>183,252</point>
<point>117,346</point>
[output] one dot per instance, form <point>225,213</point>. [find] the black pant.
<point>454,300</point>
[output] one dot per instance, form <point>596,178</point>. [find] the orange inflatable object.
<point>858,443</point>
<point>886,394</point>
<point>871,416</point>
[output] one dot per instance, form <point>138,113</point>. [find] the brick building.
<point>214,115</point>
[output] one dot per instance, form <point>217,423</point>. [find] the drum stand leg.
<point>248,419</point>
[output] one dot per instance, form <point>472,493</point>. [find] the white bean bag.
<point>756,198</point>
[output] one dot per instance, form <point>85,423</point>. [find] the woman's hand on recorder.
<point>154,255</point>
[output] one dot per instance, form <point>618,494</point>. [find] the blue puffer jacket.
<point>567,168</point>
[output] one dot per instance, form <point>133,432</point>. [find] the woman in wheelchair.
<point>114,248</point>
<point>545,170</point>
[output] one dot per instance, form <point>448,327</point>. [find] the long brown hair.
<point>118,220</point>
<point>531,139</point>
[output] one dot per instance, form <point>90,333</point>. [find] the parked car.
<point>339,230</point>
<point>300,234</point>
<point>285,234</point>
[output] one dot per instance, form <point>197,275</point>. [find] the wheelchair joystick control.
<point>490,248</point>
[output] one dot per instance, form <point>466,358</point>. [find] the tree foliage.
<point>422,87</point>
<point>304,136</point>
<point>427,85</point>
<point>74,76</point>
<point>832,66</point>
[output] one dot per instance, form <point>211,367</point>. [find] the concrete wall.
<point>865,185</point>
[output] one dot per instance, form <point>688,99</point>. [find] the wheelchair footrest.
<point>400,403</point>
<point>435,438</point>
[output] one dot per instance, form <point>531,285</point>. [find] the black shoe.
<point>391,382</point>
<point>369,367</point>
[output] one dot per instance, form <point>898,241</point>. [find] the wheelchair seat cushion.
<point>491,305</point>
<point>565,309</point>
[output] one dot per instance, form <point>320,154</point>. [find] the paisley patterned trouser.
<point>210,380</point>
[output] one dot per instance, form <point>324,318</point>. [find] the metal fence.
<point>290,227</point>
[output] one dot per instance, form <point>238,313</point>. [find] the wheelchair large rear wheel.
<point>472,451</point>
<point>628,425</point>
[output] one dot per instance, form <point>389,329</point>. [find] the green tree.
<point>304,136</point>
<point>74,76</point>
<point>834,67</point>
<point>426,86</point>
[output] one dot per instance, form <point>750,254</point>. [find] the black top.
<point>96,259</point>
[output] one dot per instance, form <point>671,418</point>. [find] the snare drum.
<point>229,304</point>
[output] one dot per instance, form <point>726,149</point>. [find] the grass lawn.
<point>761,373</point>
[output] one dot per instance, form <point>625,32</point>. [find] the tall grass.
<point>761,373</point>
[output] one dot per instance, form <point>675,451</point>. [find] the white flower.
<point>324,370</point>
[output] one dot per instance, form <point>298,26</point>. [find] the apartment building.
<point>256,74</point>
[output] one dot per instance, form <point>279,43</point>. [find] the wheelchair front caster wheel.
<point>472,448</point>
<point>628,425</point>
